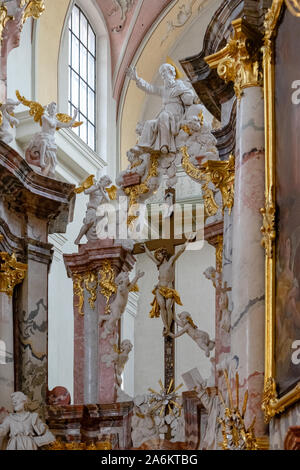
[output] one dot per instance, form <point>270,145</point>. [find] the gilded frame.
<point>271,404</point>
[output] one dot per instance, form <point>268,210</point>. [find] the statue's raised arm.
<point>142,84</point>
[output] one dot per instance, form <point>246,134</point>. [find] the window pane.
<point>75,21</point>
<point>83,98</point>
<point>91,106</point>
<point>75,89</point>
<point>83,29</point>
<point>75,54</point>
<point>91,78</point>
<point>83,64</point>
<point>83,128</point>
<point>71,112</point>
<point>91,136</point>
<point>70,47</point>
<point>92,41</point>
<point>82,70</point>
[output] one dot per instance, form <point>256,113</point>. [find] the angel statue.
<point>119,359</point>
<point>201,338</point>
<point>42,148</point>
<point>99,193</point>
<point>8,120</point>
<point>158,135</point>
<point>124,286</point>
<point>25,429</point>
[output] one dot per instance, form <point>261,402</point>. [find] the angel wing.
<point>135,288</point>
<point>112,192</point>
<point>66,118</point>
<point>87,183</point>
<point>35,109</point>
<point>116,349</point>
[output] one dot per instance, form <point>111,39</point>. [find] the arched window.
<point>82,75</point>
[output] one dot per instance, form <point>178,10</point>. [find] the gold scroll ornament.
<point>239,61</point>
<point>11,272</point>
<point>220,173</point>
<point>88,281</point>
<point>32,9</point>
<point>107,282</point>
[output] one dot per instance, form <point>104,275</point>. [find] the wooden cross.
<point>170,245</point>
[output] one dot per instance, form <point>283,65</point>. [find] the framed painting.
<point>281,214</point>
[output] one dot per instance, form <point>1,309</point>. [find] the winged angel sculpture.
<point>42,148</point>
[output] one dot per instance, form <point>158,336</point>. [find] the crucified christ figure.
<point>164,292</point>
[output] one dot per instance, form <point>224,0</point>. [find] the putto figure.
<point>42,148</point>
<point>124,286</point>
<point>200,337</point>
<point>8,120</point>
<point>164,292</point>
<point>26,430</point>
<point>158,135</point>
<point>98,195</point>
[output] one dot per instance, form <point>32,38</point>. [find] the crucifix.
<point>165,294</point>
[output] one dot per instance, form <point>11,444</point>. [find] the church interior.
<point>149,193</point>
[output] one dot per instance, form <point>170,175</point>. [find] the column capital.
<point>240,60</point>
<point>11,272</point>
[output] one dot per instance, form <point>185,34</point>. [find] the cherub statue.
<point>158,135</point>
<point>201,338</point>
<point>98,194</point>
<point>119,359</point>
<point>196,135</point>
<point>124,286</point>
<point>42,148</point>
<point>164,292</point>
<point>212,275</point>
<point>138,164</point>
<point>26,430</point>
<point>8,120</point>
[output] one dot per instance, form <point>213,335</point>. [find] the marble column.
<point>7,348</point>
<point>94,382</point>
<point>248,291</point>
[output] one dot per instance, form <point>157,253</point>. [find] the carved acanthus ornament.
<point>240,60</point>
<point>220,173</point>
<point>268,229</point>
<point>4,18</point>
<point>79,292</point>
<point>107,282</point>
<point>11,272</point>
<point>34,9</point>
<point>91,283</point>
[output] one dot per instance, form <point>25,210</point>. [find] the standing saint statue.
<point>158,135</point>
<point>164,292</point>
<point>26,430</point>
